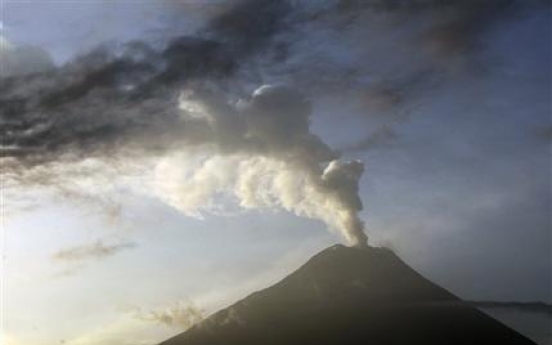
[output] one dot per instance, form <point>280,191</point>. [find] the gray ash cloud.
<point>104,98</point>
<point>125,94</point>
<point>136,100</point>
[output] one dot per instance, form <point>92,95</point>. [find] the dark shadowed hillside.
<point>350,296</point>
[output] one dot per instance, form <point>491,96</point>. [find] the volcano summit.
<point>352,296</point>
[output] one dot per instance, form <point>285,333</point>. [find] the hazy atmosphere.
<point>162,159</point>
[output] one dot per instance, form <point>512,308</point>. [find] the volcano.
<point>352,296</point>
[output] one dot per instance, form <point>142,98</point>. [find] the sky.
<point>174,156</point>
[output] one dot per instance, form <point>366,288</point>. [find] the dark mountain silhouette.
<point>350,296</point>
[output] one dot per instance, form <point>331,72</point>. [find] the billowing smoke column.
<point>181,107</point>
<point>263,155</point>
<point>208,143</point>
<point>257,152</point>
<point>214,143</point>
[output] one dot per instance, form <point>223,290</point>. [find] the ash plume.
<point>124,94</point>
<point>385,59</point>
<point>185,109</point>
<point>133,102</point>
<point>263,155</point>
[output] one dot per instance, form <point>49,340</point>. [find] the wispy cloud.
<point>94,251</point>
<point>181,315</point>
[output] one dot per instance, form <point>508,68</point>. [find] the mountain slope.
<point>350,296</point>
